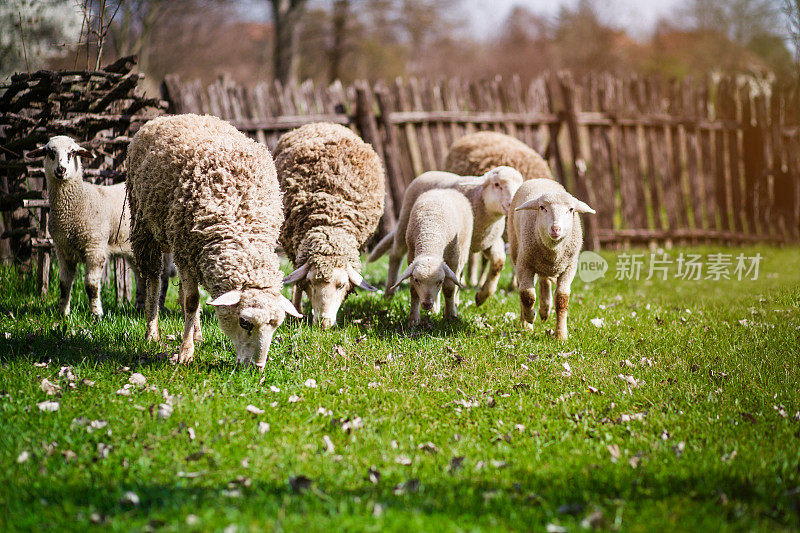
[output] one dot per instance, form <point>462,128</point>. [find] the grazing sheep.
<point>490,196</point>
<point>476,153</point>
<point>205,192</point>
<point>545,234</point>
<point>333,190</point>
<point>438,238</point>
<point>88,223</point>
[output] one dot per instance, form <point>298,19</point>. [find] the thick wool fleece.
<point>477,153</point>
<point>333,191</point>
<point>200,188</point>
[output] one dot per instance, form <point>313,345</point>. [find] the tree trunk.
<point>286,16</point>
<point>341,11</point>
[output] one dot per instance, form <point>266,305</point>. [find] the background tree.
<point>287,16</point>
<point>45,26</point>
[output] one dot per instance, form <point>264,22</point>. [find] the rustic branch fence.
<point>715,160</point>
<point>100,109</point>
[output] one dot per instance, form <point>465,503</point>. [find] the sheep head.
<point>61,158</point>
<point>327,288</point>
<point>426,275</point>
<point>499,186</point>
<point>556,215</point>
<point>250,317</point>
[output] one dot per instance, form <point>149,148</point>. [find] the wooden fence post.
<point>368,127</point>
<point>584,188</point>
<point>391,151</point>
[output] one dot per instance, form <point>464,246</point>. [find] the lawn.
<point>680,412</point>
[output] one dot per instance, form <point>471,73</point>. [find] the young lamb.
<point>490,196</point>
<point>88,223</point>
<point>438,238</point>
<point>476,153</point>
<point>204,191</point>
<point>545,234</point>
<point>333,187</point>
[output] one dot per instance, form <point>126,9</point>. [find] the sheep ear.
<point>472,181</point>
<point>404,276</point>
<point>228,298</point>
<point>449,274</point>
<point>38,152</point>
<point>536,203</point>
<point>297,275</point>
<point>581,207</point>
<point>83,152</point>
<point>358,280</point>
<point>288,307</point>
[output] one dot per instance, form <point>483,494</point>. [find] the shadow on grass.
<point>460,499</point>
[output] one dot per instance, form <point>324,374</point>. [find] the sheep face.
<point>250,318</point>
<point>555,215</point>
<point>327,289</point>
<point>426,275</point>
<point>61,158</point>
<point>499,186</point>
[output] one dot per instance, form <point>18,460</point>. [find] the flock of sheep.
<point>204,195</point>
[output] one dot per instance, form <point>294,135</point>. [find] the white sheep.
<point>206,192</point>
<point>88,223</point>
<point>438,238</point>
<point>490,196</point>
<point>545,237</point>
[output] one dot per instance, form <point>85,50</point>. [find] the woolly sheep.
<point>88,223</point>
<point>545,236</point>
<point>333,186</point>
<point>438,238</point>
<point>490,196</point>
<point>476,153</point>
<point>205,192</point>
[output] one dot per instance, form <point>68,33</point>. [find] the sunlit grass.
<point>525,431</point>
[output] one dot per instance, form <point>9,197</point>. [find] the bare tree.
<point>286,16</point>
<point>340,16</point>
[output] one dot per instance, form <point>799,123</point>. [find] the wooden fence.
<point>715,160</point>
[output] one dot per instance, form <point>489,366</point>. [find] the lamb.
<point>333,185</point>
<point>490,196</point>
<point>545,236</point>
<point>438,238</point>
<point>88,223</point>
<point>476,153</point>
<point>204,191</point>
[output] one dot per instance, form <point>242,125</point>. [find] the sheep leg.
<point>151,307</point>
<point>141,288</point>
<point>66,277</point>
<point>413,314</point>
<point>437,304</point>
<point>297,295</point>
<point>545,298</point>
<point>562,301</point>
<point>449,289</point>
<point>395,260</point>
<point>527,297</point>
<point>191,314</point>
<point>484,272</point>
<point>473,263</point>
<point>93,282</point>
<point>496,255</point>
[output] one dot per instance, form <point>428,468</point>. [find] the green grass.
<point>707,446</point>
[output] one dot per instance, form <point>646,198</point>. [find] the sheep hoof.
<point>544,315</point>
<point>481,297</point>
<point>528,326</point>
<point>183,357</point>
<point>561,335</point>
<point>152,336</point>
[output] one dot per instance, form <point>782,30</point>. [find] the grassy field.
<point>679,413</point>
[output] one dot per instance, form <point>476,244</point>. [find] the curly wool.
<point>333,191</point>
<point>477,153</point>
<point>203,190</point>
